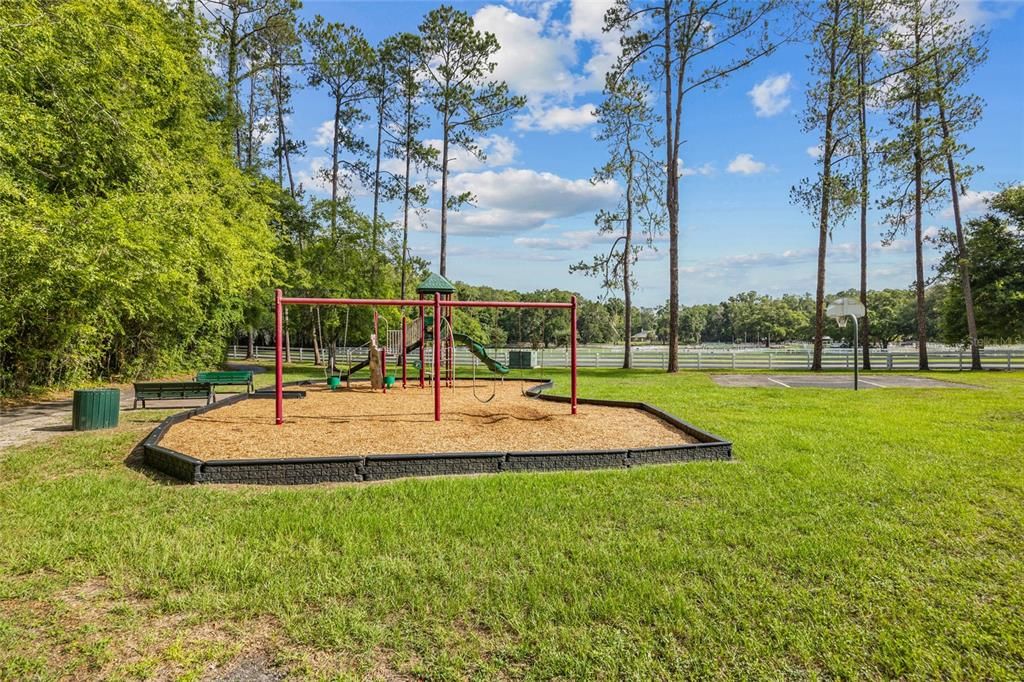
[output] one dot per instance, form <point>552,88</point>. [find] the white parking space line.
<point>779,382</point>
<point>872,383</point>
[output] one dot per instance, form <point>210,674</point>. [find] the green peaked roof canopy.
<point>435,283</point>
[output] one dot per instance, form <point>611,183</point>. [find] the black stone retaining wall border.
<point>354,468</point>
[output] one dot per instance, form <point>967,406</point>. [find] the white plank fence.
<point>609,357</point>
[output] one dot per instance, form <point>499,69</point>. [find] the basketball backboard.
<point>845,307</point>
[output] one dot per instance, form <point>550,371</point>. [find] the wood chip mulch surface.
<point>359,421</point>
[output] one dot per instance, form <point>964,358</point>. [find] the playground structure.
<point>367,432</point>
<point>442,340</point>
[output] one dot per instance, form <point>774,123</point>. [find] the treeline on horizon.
<point>889,103</point>
<point>149,206</point>
<point>745,318</point>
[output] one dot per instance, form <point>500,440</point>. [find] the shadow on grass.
<point>55,429</point>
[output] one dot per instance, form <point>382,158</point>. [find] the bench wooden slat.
<point>226,378</point>
<point>172,390</point>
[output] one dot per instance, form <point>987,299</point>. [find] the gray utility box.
<point>522,359</point>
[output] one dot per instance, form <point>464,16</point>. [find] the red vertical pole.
<point>383,368</point>
<point>423,343</point>
<point>437,356</point>
<point>572,331</point>
<point>278,373</point>
<point>405,352</point>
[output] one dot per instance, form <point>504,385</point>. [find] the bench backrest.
<point>172,388</point>
<point>225,377</point>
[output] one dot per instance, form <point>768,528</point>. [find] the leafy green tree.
<point>456,59</point>
<point>692,322</point>
<point>957,50</point>
<point>627,124</point>
<point>911,156</point>
<point>130,243</point>
<point>892,312</point>
<point>685,47</point>
<point>833,112</point>
<point>240,25</point>
<point>402,57</point>
<point>866,34</point>
<point>342,61</point>
<point>995,243</point>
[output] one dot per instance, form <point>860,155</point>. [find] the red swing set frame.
<point>438,305</point>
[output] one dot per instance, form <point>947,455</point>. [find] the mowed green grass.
<point>876,534</point>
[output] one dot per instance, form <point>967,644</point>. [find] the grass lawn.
<point>877,534</point>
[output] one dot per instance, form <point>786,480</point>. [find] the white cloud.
<point>516,188</point>
<point>586,22</point>
<point>704,169</point>
<point>981,12</point>
<point>557,119</point>
<point>324,135</point>
<point>746,165</point>
<point>845,252</point>
<point>316,178</point>
<point>540,57</point>
<point>815,152</point>
<point>586,18</point>
<point>546,243</point>
<point>971,203</point>
<point>573,240</point>
<point>531,61</point>
<point>498,150</point>
<point>769,96</point>
<point>515,200</point>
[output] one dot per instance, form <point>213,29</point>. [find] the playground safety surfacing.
<point>811,380</point>
<point>358,434</point>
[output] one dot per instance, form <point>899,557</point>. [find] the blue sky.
<point>743,151</point>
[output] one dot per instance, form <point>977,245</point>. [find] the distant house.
<point>643,335</point>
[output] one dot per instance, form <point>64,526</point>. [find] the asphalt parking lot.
<point>811,380</point>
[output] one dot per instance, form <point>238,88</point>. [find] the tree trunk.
<point>922,321</point>
<point>405,193</point>
<point>282,132</point>
<point>280,149</point>
<point>671,199</point>
<point>865,187</point>
<point>444,199</point>
<point>334,171</point>
<point>250,349</point>
<point>376,191</point>
<point>826,196</point>
<point>232,78</point>
<point>961,245</point>
<point>249,123</point>
<point>627,285</point>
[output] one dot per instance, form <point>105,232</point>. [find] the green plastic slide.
<point>477,349</point>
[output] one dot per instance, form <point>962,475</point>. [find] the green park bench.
<point>172,390</point>
<point>226,378</point>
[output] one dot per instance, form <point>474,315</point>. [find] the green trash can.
<point>95,408</point>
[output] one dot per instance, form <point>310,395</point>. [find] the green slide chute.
<point>477,349</point>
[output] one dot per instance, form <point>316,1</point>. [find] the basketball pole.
<point>856,336</point>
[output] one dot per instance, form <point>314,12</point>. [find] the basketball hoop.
<point>844,309</point>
